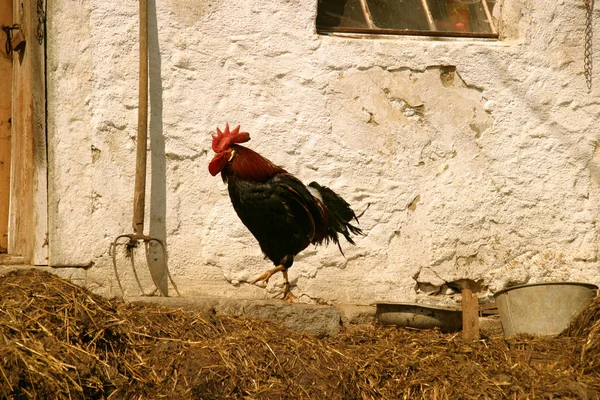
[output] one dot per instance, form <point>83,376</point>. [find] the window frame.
<point>494,34</point>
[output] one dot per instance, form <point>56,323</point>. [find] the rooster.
<point>283,214</point>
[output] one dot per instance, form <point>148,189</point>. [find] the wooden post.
<point>470,315</point>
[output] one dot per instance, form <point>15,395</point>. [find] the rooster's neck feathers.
<point>248,165</point>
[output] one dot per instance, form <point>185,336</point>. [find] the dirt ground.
<point>60,341</point>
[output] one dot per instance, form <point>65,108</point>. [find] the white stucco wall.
<point>488,173</point>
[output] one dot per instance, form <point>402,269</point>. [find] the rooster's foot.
<point>287,294</point>
<point>265,277</point>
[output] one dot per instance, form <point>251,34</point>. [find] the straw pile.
<point>60,341</point>
<point>587,327</point>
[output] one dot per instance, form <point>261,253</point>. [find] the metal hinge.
<point>15,39</point>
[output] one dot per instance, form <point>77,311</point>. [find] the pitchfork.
<point>139,195</point>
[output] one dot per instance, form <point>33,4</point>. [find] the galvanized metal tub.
<point>542,308</point>
<point>420,316</point>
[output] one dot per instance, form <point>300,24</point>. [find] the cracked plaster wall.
<point>479,158</point>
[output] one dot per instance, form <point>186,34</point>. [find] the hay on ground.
<point>61,341</point>
<point>587,327</point>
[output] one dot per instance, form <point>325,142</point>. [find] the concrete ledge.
<point>316,320</point>
<point>357,314</point>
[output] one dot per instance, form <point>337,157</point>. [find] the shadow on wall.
<point>158,192</point>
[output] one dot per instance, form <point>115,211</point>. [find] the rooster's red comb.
<point>226,138</point>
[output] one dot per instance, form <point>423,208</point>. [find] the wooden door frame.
<point>6,20</point>
<point>28,210</point>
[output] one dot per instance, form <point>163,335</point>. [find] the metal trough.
<point>420,316</point>
<point>542,308</point>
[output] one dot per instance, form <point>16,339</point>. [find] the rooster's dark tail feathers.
<point>340,215</point>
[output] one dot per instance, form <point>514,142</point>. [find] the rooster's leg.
<point>287,294</point>
<point>265,277</point>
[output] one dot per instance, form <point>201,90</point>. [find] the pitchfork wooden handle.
<point>142,133</point>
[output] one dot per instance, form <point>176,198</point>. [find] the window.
<point>470,18</point>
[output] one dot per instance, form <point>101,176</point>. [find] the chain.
<point>589,33</point>
<point>41,27</point>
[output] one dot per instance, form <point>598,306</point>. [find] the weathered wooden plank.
<point>28,210</point>
<point>39,151</point>
<point>6,14</point>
